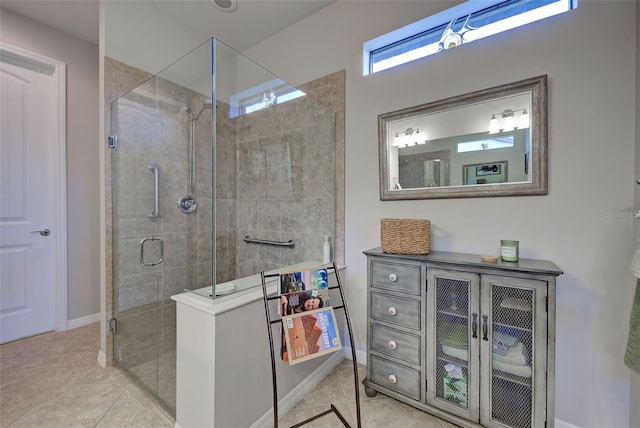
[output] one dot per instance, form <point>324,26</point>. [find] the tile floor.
<point>53,380</point>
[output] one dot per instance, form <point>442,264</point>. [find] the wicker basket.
<point>405,236</point>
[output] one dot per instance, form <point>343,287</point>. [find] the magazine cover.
<point>311,334</point>
<point>301,291</point>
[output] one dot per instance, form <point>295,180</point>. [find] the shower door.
<point>137,242</point>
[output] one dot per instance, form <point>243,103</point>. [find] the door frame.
<point>58,70</point>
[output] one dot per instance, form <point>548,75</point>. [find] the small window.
<point>263,96</point>
<point>453,27</point>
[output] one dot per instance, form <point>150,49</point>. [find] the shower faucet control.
<point>187,204</point>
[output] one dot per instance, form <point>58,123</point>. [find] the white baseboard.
<point>291,399</point>
<point>563,424</point>
<point>360,355</point>
<point>82,321</point>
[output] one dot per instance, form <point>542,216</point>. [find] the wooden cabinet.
<point>468,341</point>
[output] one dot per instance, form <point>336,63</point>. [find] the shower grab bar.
<point>290,243</point>
<point>155,213</point>
<point>154,262</point>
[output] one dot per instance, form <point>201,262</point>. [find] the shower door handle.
<point>156,171</point>
<point>161,255</point>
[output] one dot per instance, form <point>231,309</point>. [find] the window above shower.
<point>261,96</point>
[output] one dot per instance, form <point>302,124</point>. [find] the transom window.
<point>453,27</point>
<point>262,96</point>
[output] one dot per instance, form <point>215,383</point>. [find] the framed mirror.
<point>491,142</point>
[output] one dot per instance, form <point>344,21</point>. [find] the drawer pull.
<point>392,311</point>
<point>393,277</point>
<point>392,378</point>
<point>393,344</point>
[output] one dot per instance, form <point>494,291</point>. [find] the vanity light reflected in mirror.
<point>463,146</point>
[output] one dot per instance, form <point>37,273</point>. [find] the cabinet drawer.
<point>395,310</point>
<point>396,276</point>
<point>395,343</point>
<point>396,377</point>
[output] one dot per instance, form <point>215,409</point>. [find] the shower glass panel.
<point>163,153</point>
<point>217,162</point>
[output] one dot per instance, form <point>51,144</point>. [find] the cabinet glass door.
<point>452,375</point>
<point>510,335</point>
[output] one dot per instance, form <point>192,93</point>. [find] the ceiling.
<point>252,21</point>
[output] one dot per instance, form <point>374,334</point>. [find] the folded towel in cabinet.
<point>463,354</point>
<point>516,355</point>
<point>459,353</point>
<point>524,371</point>
<point>500,338</point>
<point>453,334</point>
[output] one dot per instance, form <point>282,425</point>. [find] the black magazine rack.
<point>278,320</point>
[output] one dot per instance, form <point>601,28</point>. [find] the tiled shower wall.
<point>286,184</point>
<point>153,127</point>
<point>286,161</point>
<point>274,181</point>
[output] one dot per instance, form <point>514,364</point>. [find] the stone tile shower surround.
<point>250,149</point>
<point>148,134</point>
<point>285,184</point>
<point>274,180</point>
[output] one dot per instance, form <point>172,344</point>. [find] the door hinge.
<point>112,141</point>
<point>113,325</point>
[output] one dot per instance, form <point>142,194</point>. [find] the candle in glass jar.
<point>509,250</point>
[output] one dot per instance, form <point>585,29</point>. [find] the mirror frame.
<point>537,86</point>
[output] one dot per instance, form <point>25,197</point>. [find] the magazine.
<point>311,334</point>
<point>301,291</point>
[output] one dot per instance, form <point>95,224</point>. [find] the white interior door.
<point>28,241</point>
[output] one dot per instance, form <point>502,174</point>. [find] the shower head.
<point>206,104</point>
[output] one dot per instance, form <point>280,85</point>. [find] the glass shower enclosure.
<point>217,166</point>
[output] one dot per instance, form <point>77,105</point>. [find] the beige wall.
<point>83,240</point>
<point>584,223</point>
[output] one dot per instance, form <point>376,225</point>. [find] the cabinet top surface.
<point>462,259</point>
